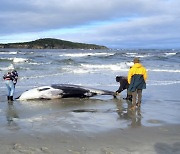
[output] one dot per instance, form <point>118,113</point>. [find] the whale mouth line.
<point>43,89</point>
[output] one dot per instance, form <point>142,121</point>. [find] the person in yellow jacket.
<point>137,77</point>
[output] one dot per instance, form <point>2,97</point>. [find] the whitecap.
<point>131,53</point>
<point>164,70</point>
<point>170,53</point>
<point>35,63</point>
<point>9,53</point>
<point>6,58</point>
<point>19,60</point>
<point>129,64</point>
<point>115,67</point>
<point>86,54</point>
<point>91,68</point>
<point>138,55</point>
<point>160,83</point>
<point>39,76</point>
<point>10,67</point>
<point>80,71</point>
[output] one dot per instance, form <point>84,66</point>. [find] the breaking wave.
<point>103,54</point>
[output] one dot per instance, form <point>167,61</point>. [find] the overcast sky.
<point>113,23</point>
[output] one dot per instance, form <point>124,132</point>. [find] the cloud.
<point>115,23</point>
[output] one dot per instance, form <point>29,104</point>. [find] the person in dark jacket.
<point>123,85</point>
<point>10,79</point>
<point>137,76</point>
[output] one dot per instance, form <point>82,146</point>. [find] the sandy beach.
<point>139,140</point>
<point>96,125</point>
<point>75,130</point>
<point>90,126</point>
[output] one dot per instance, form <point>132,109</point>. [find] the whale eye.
<point>43,89</point>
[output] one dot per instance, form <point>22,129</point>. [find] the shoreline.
<point>149,140</point>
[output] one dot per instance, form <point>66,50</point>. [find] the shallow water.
<point>92,68</point>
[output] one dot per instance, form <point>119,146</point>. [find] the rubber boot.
<point>8,98</point>
<point>11,98</point>
<point>130,98</point>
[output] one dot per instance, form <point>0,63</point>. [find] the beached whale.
<point>56,91</point>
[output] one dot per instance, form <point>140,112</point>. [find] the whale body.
<point>56,91</point>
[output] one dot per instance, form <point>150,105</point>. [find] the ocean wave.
<point>170,53</point>
<point>15,60</point>
<point>31,62</point>
<point>10,67</point>
<point>102,67</point>
<point>104,54</point>
<point>147,55</point>
<point>9,53</point>
<point>91,68</point>
<point>39,76</point>
<point>119,66</point>
<point>140,55</point>
<point>35,63</point>
<point>164,70</point>
<point>6,59</point>
<point>159,83</point>
<point>19,60</point>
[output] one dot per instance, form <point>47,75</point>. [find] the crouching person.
<point>123,85</point>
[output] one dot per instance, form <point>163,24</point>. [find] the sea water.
<point>90,68</point>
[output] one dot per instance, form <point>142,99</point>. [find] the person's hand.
<point>116,93</point>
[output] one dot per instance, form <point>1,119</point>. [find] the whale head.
<point>44,92</point>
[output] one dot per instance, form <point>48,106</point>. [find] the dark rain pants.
<point>136,96</point>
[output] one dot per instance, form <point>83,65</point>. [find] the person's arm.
<point>129,76</point>
<point>145,75</point>
<point>14,76</point>
<point>4,76</point>
<point>122,86</point>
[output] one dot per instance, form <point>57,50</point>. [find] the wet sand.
<point>141,140</point>
<point>75,130</point>
<point>90,126</point>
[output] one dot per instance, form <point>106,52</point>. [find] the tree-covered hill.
<point>50,43</point>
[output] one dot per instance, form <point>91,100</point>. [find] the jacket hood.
<point>137,65</point>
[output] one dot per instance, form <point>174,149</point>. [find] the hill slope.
<point>50,43</point>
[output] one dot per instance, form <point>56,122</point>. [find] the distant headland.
<point>51,43</point>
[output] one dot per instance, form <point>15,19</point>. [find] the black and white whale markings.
<point>56,91</point>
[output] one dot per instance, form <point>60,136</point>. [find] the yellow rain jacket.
<point>137,76</point>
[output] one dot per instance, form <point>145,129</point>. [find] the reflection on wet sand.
<point>126,113</point>
<point>91,115</point>
<point>123,110</point>
<point>11,113</point>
